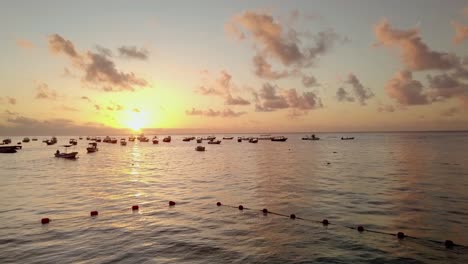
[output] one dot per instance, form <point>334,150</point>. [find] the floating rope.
<point>449,244</point>
<point>400,235</point>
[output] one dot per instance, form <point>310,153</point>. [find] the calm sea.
<point>416,183</point>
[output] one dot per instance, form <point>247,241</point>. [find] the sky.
<point>97,67</point>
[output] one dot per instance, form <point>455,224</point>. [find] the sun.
<point>136,120</point>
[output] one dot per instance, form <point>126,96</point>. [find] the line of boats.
<point>93,147</point>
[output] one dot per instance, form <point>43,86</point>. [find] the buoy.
<point>360,228</point>
<point>135,207</point>
<point>241,207</point>
<point>325,222</point>
<point>449,244</point>
<point>265,211</point>
<point>93,213</point>
<point>292,216</point>
<point>218,203</point>
<point>45,220</point>
<point>171,203</point>
<point>400,235</point>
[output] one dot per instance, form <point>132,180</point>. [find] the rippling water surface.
<point>416,183</point>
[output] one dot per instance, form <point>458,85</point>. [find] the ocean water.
<point>416,183</point>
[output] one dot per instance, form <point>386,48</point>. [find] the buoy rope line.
<point>136,208</point>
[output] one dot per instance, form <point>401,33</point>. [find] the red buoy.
<point>45,220</point>
<point>93,213</point>
<point>265,211</point>
<point>292,216</point>
<point>325,222</point>
<point>241,207</point>
<point>171,203</point>
<point>218,203</point>
<point>400,235</point>
<point>360,228</point>
<point>135,207</point>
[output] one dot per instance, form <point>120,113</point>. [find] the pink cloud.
<point>414,53</point>
<point>405,89</point>
<point>24,43</point>
<point>461,32</point>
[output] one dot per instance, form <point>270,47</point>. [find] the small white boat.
<point>253,140</point>
<point>66,155</point>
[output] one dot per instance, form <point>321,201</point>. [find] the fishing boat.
<point>186,139</point>
<point>26,140</point>
<point>66,155</point>
<point>155,140</point>
<point>200,148</point>
<point>265,137</point>
<point>51,141</point>
<point>34,139</point>
<point>199,140</point>
<point>131,138</point>
<point>312,137</point>
<point>107,139</point>
<point>73,141</point>
<point>113,141</point>
<point>167,139</point>
<point>347,138</point>
<point>144,139</point>
<point>92,147</point>
<point>279,138</point>
<point>217,142</point>
<point>123,142</point>
<point>9,149</point>
<point>80,138</point>
<point>253,140</point>
<point>6,141</point>
<point>239,139</point>
<point>228,138</point>
<point>98,139</point>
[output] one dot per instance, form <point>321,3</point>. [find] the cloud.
<point>24,43</point>
<point>451,111</point>
<point>343,96</point>
<point>21,125</point>
<point>236,100</point>
<point>414,53</point>
<point>284,44</point>
<point>97,107</point>
<point>86,98</point>
<point>133,53</point>
<point>10,113</point>
<point>8,100</point>
<point>69,108</point>
<point>44,92</point>
<point>223,87</point>
<point>136,110</point>
<point>264,70</point>
<point>212,113</point>
<point>269,99</point>
<point>461,32</point>
<point>386,108</point>
<point>362,93</point>
<point>97,68</point>
<point>277,42</point>
<point>309,81</point>
<point>444,86</point>
<point>406,90</point>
